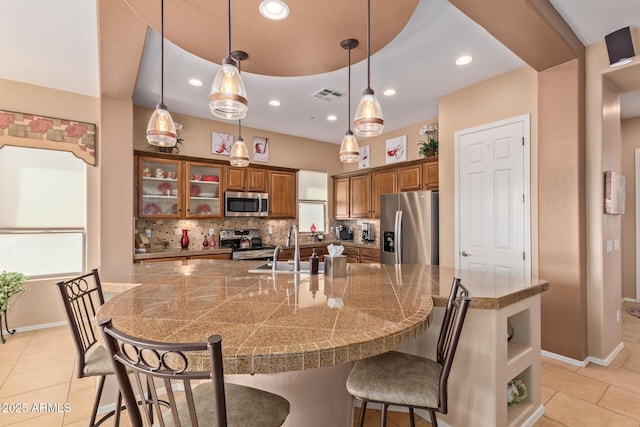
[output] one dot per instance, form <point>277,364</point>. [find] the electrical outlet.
<point>270,230</point>
<point>147,232</point>
<point>616,245</point>
<point>211,231</point>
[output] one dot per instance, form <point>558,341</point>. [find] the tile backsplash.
<point>170,231</point>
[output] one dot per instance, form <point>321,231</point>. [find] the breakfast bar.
<point>295,334</point>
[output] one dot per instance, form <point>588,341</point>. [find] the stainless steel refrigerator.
<point>409,228</point>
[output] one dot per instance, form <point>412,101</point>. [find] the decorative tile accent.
<point>28,130</point>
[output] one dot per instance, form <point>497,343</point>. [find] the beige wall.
<point>508,95</point>
<point>630,142</point>
<point>40,305</point>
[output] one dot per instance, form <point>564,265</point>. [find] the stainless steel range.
<point>246,244</point>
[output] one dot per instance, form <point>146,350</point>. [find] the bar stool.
<point>401,379</point>
<point>81,297</point>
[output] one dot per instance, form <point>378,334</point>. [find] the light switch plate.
<point>609,246</point>
<point>616,245</point>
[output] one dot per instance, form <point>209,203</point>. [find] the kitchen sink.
<point>286,267</point>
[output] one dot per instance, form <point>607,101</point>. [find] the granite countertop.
<point>178,252</point>
<point>286,322</point>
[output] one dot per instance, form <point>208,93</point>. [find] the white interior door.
<point>492,198</point>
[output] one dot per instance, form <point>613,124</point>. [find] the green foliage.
<point>11,283</point>
<point>430,146</point>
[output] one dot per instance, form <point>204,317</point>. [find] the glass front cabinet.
<point>203,190</point>
<point>178,189</point>
<point>160,187</point>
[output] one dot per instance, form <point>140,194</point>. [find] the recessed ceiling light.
<point>464,60</point>
<point>274,9</point>
<point>389,92</point>
<point>274,103</point>
<point>196,82</point>
<point>332,117</point>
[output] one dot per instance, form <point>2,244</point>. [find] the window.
<point>43,212</point>
<point>312,201</point>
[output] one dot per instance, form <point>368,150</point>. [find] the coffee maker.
<point>368,232</point>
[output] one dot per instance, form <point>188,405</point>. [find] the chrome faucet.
<point>296,256</point>
<point>277,249</point>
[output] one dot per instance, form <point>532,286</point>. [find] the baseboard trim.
<point>607,361</point>
<point>533,418</point>
<point>41,326</point>
<point>561,358</point>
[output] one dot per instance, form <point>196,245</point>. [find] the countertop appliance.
<point>343,233</point>
<point>409,228</point>
<point>246,204</point>
<point>368,232</point>
<point>246,244</point>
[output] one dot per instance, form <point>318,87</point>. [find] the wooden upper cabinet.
<point>410,178</point>
<point>341,198</point>
<point>282,197</point>
<point>256,180</point>
<point>384,182</point>
<point>247,179</point>
<point>430,176</point>
<point>235,179</point>
<point>360,203</point>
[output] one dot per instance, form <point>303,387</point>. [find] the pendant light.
<point>161,131</point>
<point>228,96</point>
<point>239,155</point>
<point>368,120</point>
<point>349,150</point>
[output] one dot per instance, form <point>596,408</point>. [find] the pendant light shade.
<point>161,131</point>
<point>228,96</point>
<point>239,155</point>
<point>368,120</point>
<point>349,150</point>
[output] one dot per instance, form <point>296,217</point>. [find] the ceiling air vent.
<point>327,94</point>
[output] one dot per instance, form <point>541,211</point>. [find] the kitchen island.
<point>300,332</point>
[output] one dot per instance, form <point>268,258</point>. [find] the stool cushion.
<point>396,378</point>
<point>246,406</point>
<point>97,361</point>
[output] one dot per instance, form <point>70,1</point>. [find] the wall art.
<point>396,149</point>
<point>221,143</point>
<point>260,149</point>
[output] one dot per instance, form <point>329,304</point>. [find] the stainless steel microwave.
<point>246,204</point>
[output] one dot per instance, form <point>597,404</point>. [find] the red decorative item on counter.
<point>205,242</point>
<point>184,240</point>
<point>313,228</point>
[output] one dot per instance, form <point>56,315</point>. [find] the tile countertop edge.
<point>497,303</point>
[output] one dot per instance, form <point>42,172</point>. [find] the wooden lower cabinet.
<point>282,195</point>
<point>370,255</point>
<point>212,256</point>
<point>352,253</point>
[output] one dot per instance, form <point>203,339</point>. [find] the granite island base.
<point>298,334</point>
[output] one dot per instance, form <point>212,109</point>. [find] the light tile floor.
<point>38,367</point>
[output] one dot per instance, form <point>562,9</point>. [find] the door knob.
<point>464,253</point>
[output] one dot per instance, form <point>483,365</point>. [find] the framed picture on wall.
<point>221,143</point>
<point>396,149</point>
<point>260,149</point>
<point>364,159</point>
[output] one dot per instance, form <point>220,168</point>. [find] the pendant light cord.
<point>369,44</point>
<point>349,92</point>
<point>229,27</point>
<point>162,52</point>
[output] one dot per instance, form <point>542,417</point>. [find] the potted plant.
<point>11,283</point>
<point>429,147</point>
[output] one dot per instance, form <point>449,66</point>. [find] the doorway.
<point>493,221</point>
